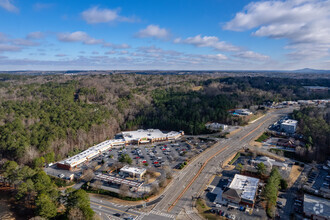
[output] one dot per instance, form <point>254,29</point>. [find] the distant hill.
<point>308,70</point>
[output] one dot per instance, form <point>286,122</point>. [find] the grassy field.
<point>204,211</point>
<point>263,137</point>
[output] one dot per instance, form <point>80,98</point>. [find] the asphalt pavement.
<point>190,182</point>
<point>178,198</point>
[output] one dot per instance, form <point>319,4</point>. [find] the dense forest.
<point>47,118</point>
<point>34,190</point>
<point>283,88</point>
<point>314,125</point>
<point>64,115</point>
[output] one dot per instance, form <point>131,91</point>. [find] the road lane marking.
<point>129,213</point>
<point>204,164</point>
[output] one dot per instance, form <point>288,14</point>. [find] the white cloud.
<point>10,44</point>
<point>117,46</point>
<point>304,23</point>
<point>208,41</point>
<point>251,55</point>
<point>153,31</point>
<point>24,42</point>
<point>158,51</point>
<point>97,15</point>
<point>78,36</point>
<point>11,48</point>
<point>215,56</point>
<point>7,5</point>
<point>35,35</point>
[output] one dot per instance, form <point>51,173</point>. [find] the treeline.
<point>187,111</point>
<point>34,190</point>
<point>282,88</point>
<point>67,114</point>
<point>314,125</point>
<point>51,115</point>
<point>274,183</point>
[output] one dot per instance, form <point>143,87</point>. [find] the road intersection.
<point>190,182</point>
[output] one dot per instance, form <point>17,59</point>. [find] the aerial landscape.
<point>160,110</point>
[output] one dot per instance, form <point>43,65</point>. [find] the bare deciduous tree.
<point>76,214</point>
<point>88,175</point>
<point>97,185</point>
<point>124,190</point>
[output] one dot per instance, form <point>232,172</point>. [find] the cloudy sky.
<point>164,34</point>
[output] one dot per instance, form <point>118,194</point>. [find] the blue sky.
<point>168,35</point>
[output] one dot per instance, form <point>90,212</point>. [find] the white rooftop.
<point>290,122</point>
<point>105,145</point>
<point>135,170</point>
<point>149,134</point>
<point>247,184</point>
<point>316,206</point>
<point>90,152</point>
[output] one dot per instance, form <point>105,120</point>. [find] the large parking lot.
<point>152,156</point>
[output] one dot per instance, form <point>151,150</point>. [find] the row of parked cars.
<point>298,206</point>
<point>223,213</point>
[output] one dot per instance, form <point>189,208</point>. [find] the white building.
<point>243,111</point>
<point>216,126</point>
<point>242,190</point>
<point>289,126</point>
<point>134,172</point>
<point>316,207</point>
<point>89,154</point>
<point>269,163</point>
<point>149,136</point>
<point>139,136</point>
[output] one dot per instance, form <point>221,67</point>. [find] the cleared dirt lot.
<point>294,174</point>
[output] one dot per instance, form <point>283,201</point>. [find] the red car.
<point>137,157</point>
<point>144,161</point>
<point>155,162</point>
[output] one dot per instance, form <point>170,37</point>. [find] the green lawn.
<point>263,137</point>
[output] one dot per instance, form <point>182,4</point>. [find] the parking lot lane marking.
<point>129,213</point>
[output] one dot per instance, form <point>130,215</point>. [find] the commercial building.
<point>216,126</point>
<point>241,191</point>
<point>316,207</point>
<point>149,136</point>
<point>88,154</point>
<point>289,126</point>
<point>243,111</point>
<point>131,137</point>
<point>269,163</point>
<point>134,185</point>
<point>134,172</point>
